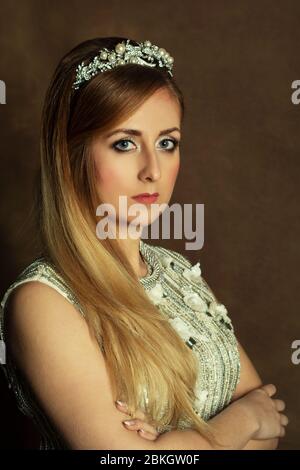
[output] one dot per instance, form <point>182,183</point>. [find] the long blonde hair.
<point>139,345</point>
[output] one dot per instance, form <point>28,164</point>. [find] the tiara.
<point>144,53</point>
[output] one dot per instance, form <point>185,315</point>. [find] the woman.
<point>93,320</point>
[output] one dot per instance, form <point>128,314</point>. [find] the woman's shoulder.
<point>43,271</point>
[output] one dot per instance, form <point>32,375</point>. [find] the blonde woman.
<point>92,321</point>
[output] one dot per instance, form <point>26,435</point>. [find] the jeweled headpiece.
<point>144,53</point>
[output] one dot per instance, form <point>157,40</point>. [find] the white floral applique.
<point>166,261</point>
<point>219,311</point>
<point>187,331</point>
<point>184,330</point>
<point>201,398</point>
<point>193,274</point>
<point>193,300</point>
<point>156,295</point>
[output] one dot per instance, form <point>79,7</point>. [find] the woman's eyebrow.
<point>139,133</point>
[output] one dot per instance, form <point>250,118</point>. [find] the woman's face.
<point>143,158</point>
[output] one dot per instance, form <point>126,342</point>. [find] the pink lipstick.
<point>146,198</point>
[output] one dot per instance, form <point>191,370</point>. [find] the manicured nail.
<point>129,423</point>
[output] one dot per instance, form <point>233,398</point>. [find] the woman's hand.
<point>138,424</point>
<point>266,411</point>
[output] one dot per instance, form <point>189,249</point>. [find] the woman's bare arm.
<point>232,426</point>
<point>65,367</point>
<point>250,380</point>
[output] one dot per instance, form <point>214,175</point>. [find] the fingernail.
<point>129,423</point>
<point>120,403</point>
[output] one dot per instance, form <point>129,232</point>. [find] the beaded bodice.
<point>181,294</point>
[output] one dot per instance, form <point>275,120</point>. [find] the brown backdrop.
<point>235,62</point>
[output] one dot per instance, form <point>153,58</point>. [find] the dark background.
<point>235,62</point>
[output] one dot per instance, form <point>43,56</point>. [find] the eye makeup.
<point>174,141</point>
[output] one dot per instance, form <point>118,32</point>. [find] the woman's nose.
<point>151,167</point>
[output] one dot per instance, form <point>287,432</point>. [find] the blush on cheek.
<point>112,184</point>
<point>107,177</point>
<point>173,172</point>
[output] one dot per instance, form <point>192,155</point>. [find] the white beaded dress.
<point>181,294</point>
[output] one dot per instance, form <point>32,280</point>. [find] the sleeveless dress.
<point>182,295</point>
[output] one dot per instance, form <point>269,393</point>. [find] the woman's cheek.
<point>173,173</point>
<point>110,179</point>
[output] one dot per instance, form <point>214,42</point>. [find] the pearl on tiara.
<point>144,53</point>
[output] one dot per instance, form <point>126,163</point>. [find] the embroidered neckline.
<point>192,298</point>
<point>155,268</point>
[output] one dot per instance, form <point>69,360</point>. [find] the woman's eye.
<point>122,145</point>
<point>122,148</point>
<point>174,143</point>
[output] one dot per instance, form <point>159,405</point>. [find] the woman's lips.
<point>146,199</point>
